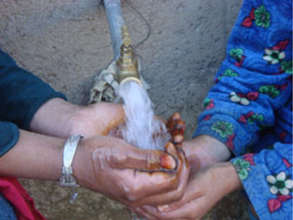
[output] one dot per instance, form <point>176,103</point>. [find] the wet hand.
<point>120,171</point>
<point>176,127</point>
<point>61,119</point>
<point>204,190</point>
<point>97,119</point>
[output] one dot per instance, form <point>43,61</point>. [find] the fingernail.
<point>163,208</point>
<point>178,138</point>
<point>167,162</point>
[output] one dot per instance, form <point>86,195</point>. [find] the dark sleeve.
<point>21,93</point>
<point>9,134</point>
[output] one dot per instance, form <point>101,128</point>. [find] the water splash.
<point>141,128</point>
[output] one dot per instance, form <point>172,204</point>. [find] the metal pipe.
<point>116,22</point>
<point>124,56</point>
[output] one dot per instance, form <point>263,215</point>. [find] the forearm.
<point>62,119</point>
<point>55,118</point>
<point>34,156</point>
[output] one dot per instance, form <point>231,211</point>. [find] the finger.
<point>178,138</point>
<point>165,162</point>
<point>175,125</point>
<point>138,185</point>
<point>171,149</point>
<point>154,160</point>
<point>146,215</point>
<point>171,123</point>
<point>173,195</point>
<point>133,184</point>
<point>144,160</point>
<point>191,193</point>
<point>194,209</point>
<point>176,116</point>
<point>116,153</point>
<point>153,212</point>
<point>188,211</point>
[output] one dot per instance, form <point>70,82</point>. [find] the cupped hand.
<point>204,190</point>
<point>60,118</point>
<point>179,182</point>
<point>176,128</point>
<point>111,166</point>
<point>97,119</point>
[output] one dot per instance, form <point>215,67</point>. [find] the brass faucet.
<point>127,63</point>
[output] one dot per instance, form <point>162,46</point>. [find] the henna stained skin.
<point>169,159</point>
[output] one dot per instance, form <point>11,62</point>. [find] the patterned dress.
<point>250,106</point>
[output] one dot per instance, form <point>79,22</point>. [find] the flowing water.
<point>141,128</point>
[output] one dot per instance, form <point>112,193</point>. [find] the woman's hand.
<point>204,190</point>
<point>104,164</point>
<point>97,119</point>
<point>61,119</point>
<point>111,166</point>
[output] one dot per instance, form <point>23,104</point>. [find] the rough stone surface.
<point>66,42</point>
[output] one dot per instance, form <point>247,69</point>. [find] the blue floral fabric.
<point>250,106</point>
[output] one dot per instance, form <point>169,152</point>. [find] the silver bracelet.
<point>67,179</point>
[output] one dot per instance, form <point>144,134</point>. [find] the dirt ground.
<point>181,42</point>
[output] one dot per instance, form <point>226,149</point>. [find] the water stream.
<point>141,129</point>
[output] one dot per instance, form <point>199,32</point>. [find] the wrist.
<point>205,150</point>
<point>227,176</point>
<point>82,166</point>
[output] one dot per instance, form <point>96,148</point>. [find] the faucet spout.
<point>127,63</point>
